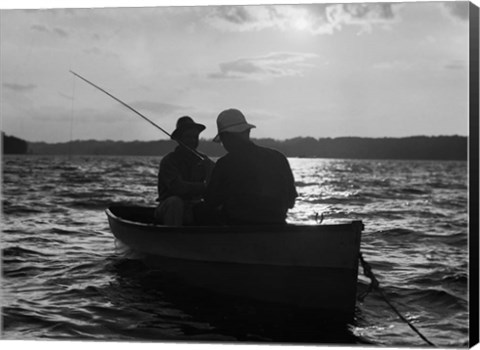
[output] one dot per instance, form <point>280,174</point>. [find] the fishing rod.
<point>195,152</point>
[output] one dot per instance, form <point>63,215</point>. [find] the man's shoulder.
<point>168,156</point>
<point>271,152</point>
<point>225,159</point>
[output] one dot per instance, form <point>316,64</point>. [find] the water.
<point>64,276</point>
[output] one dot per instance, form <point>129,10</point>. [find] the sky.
<point>319,69</point>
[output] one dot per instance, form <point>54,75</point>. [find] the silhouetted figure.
<point>182,176</point>
<point>250,184</point>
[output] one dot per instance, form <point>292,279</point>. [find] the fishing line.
<point>201,157</point>
<point>367,270</point>
<point>72,117</point>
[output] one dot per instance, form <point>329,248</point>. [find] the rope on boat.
<point>374,285</point>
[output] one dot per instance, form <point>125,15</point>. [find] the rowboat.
<point>310,267</point>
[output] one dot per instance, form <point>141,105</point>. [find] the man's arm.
<point>170,178</point>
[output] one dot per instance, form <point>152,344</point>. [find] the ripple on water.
<point>64,278</point>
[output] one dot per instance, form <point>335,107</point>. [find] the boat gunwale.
<point>353,225</point>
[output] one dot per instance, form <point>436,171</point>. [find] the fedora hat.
<point>185,123</point>
<point>231,120</point>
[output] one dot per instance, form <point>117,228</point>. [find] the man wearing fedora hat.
<point>182,175</point>
<point>251,184</point>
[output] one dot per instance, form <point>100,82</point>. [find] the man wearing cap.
<point>182,175</point>
<point>251,184</point>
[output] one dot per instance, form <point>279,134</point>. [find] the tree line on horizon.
<point>414,147</point>
<point>13,145</point>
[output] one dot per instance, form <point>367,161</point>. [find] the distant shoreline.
<point>408,148</point>
<point>31,155</point>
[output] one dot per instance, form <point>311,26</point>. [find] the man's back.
<point>254,185</point>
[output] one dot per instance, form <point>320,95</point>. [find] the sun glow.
<point>300,23</point>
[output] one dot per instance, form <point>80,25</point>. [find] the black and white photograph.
<point>240,174</point>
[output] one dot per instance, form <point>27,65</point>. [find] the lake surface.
<point>65,277</point>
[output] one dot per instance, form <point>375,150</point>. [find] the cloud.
<point>274,65</point>
<point>280,17</point>
<point>239,15</point>
<point>60,32</point>
<point>363,14</point>
<point>313,18</point>
<point>96,51</point>
<point>456,65</point>
<point>39,28</point>
<point>19,87</point>
<point>58,113</point>
<point>459,10</point>
<point>420,65</point>
<point>241,18</point>
<point>43,29</point>
<point>156,107</point>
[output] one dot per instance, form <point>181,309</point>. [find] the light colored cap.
<point>231,120</point>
